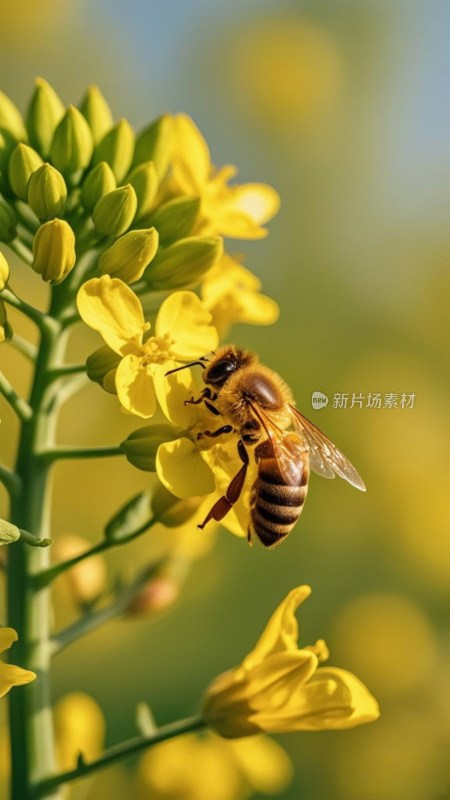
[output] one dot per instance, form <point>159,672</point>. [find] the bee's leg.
<point>206,394</point>
<point>218,432</point>
<point>233,493</point>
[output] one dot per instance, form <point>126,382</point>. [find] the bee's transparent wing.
<point>289,450</point>
<point>324,456</point>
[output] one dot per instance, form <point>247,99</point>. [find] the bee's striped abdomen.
<point>276,504</point>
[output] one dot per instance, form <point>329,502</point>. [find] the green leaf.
<point>131,519</point>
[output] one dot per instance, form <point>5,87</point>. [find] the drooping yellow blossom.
<point>183,332</point>
<point>280,688</point>
<point>79,728</point>
<point>237,211</point>
<point>232,294</point>
<point>9,674</point>
<point>209,768</point>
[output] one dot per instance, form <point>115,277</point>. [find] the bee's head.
<point>220,364</point>
<point>223,363</point>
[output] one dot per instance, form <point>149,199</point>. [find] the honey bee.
<point>257,404</point>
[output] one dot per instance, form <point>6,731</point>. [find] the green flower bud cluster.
<point>72,180</point>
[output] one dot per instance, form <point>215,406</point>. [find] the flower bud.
<point>96,112</point>
<point>117,148</point>
<point>169,510</point>
<point>54,250</point>
<point>8,532</point>
<point>86,580</point>
<point>161,590</point>
<point>79,729</point>
<point>155,143</point>
<point>129,256</point>
<point>22,163</point>
<point>7,145</point>
<point>72,143</point>
<point>11,119</point>
<point>6,331</point>
<point>142,445</point>
<point>99,182</point>
<point>8,223</point>
<point>175,219</point>
<point>47,192</point>
<point>184,262</point>
<point>44,113</point>
<point>100,364</point>
<point>145,182</point>
<point>4,271</point>
<point>115,211</point>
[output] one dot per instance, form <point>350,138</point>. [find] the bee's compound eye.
<point>219,372</point>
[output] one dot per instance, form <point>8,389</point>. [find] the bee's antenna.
<point>185,366</point>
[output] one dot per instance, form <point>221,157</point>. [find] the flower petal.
<point>172,391</point>
<point>182,470</point>
<point>191,162</point>
<point>258,200</point>
<point>7,637</point>
<point>184,317</point>
<point>281,632</point>
<point>135,388</point>
<point>110,307</point>
<point>13,676</point>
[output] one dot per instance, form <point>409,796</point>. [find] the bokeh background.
<point>343,106</point>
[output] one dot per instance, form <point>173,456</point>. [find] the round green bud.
<point>8,222</point>
<point>72,143</point>
<point>11,119</point>
<point>117,148</point>
<point>155,143</point>
<point>170,510</point>
<point>141,446</point>
<point>145,183</point>
<point>98,182</point>
<point>8,532</point>
<point>7,145</point>
<point>184,262</point>
<point>47,192</point>
<point>176,218</point>
<point>54,250</point>
<point>22,163</point>
<point>4,271</point>
<point>115,211</point>
<point>100,363</point>
<point>129,256</point>
<point>6,332</point>
<point>96,112</point>
<point>43,115</point>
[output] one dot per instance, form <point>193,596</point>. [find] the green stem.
<point>95,619</point>
<point>17,403</point>
<point>25,347</point>
<point>10,481</point>
<point>33,313</point>
<point>49,575</point>
<point>69,453</point>
<point>31,726</point>
<point>22,251</point>
<point>119,753</point>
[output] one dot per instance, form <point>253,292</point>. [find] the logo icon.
<point>319,400</point>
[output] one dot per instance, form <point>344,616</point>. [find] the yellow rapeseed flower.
<point>9,674</point>
<point>237,211</point>
<point>194,467</point>
<point>79,728</point>
<point>209,768</point>
<point>183,332</point>
<point>232,294</point>
<point>280,688</point>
